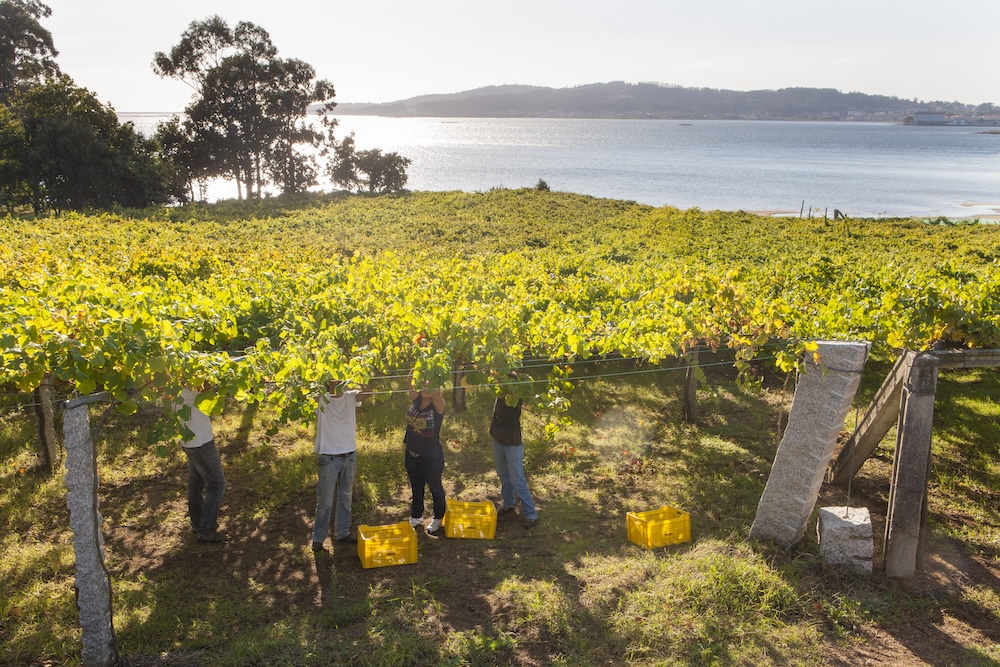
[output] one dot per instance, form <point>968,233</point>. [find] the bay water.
<point>780,167</point>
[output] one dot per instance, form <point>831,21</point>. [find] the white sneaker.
<point>416,522</point>
<point>435,524</point>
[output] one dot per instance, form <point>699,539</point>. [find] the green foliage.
<point>249,114</point>
<point>61,149</point>
<point>289,296</point>
<point>341,168</point>
<point>14,192</point>
<point>369,170</point>
<point>27,52</point>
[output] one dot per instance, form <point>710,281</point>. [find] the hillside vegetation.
<point>618,99</point>
<point>363,286</point>
<point>601,302</point>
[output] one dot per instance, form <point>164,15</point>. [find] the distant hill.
<point>656,100</point>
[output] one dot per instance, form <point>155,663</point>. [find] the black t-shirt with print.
<point>423,430</point>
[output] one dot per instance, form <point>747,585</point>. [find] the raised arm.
<point>438,400</point>
<point>413,393</point>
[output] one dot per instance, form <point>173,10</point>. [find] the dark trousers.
<point>425,471</point>
<point>206,484</point>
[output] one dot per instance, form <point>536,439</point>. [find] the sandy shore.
<point>976,211</point>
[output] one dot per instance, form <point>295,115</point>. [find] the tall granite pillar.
<point>823,395</point>
<point>93,590</point>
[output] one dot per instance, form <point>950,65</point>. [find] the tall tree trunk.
<point>292,184</point>
<point>259,178</point>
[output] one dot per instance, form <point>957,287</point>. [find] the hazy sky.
<point>385,50</point>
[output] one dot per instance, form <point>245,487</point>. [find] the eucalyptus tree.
<point>13,188</point>
<point>250,107</point>
<point>74,154</point>
<point>27,52</point>
<point>293,89</point>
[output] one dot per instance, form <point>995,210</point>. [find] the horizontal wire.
<point>598,376</point>
<point>402,373</point>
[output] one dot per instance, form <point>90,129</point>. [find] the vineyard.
<point>355,289</point>
<point>599,305</point>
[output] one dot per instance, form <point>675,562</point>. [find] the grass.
<point>572,591</point>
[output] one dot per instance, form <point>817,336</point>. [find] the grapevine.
<point>271,309</point>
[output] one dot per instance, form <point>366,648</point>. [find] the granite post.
<point>823,395</point>
<point>93,590</point>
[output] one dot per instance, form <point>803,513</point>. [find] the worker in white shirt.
<point>336,451</point>
<point>206,481</point>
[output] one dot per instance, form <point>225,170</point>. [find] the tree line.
<point>255,118</point>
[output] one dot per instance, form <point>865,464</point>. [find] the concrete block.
<point>845,537</point>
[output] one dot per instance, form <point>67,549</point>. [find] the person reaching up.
<point>336,460</point>
<point>508,457</point>
<point>206,480</point>
<point>424,455</point>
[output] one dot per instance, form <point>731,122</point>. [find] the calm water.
<point>870,169</point>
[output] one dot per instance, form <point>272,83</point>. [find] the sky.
<point>387,50</point>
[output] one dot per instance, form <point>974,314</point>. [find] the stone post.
<point>93,589</point>
<point>906,519</point>
<point>823,395</point>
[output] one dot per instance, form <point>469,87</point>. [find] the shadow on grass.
<point>265,598</point>
<point>209,597</point>
<point>964,500</point>
<point>944,592</point>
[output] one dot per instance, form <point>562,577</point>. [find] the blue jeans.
<point>513,485</point>
<point>336,479</point>
<point>206,484</point>
<point>424,470</point>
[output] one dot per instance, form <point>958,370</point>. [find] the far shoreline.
<point>959,200</point>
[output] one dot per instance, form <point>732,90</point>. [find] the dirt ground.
<point>934,637</point>
<point>317,580</point>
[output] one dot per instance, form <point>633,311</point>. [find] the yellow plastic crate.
<point>395,544</point>
<point>470,520</point>
<point>658,528</point>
